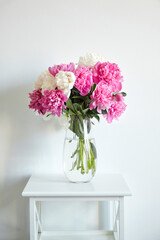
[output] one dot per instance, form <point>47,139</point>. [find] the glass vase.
<point>79,152</point>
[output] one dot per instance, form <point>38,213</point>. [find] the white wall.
<point>37,34</point>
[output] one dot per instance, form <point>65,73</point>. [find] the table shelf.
<point>108,235</point>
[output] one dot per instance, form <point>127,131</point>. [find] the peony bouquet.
<point>82,91</point>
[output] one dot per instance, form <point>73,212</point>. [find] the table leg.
<point>33,232</point>
<point>121,219</point>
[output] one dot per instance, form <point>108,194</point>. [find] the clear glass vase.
<point>79,152</point>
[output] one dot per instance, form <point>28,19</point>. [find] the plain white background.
<point>40,33</point>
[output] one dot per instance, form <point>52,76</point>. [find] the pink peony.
<point>62,67</point>
<point>108,72</point>
<point>83,80</point>
<point>101,97</point>
<point>115,111</point>
<point>53,101</point>
<point>35,104</point>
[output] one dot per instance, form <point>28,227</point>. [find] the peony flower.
<point>39,82</point>
<point>115,111</point>
<point>83,80</point>
<point>65,81</point>
<point>53,101</point>
<point>89,60</point>
<point>62,67</point>
<point>101,97</point>
<point>108,72</point>
<point>46,81</point>
<point>50,84</point>
<point>35,104</point>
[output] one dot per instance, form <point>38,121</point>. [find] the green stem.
<point>93,158</point>
<point>90,155</point>
<point>81,155</point>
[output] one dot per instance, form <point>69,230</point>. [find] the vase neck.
<point>79,128</point>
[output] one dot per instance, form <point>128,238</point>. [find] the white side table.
<point>105,187</point>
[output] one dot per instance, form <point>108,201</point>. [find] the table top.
<point>104,185</point>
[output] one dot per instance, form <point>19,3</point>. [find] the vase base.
<point>79,178</point>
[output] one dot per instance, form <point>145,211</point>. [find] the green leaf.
<point>97,117</point>
<point>65,110</point>
<point>76,125</point>
<point>77,107</point>
<point>104,111</point>
<point>124,94</point>
<point>69,104</point>
<point>88,125</point>
<point>81,104</point>
<point>71,112</point>
<point>93,88</point>
<point>49,114</point>
<point>85,111</point>
<point>71,126</point>
<point>87,100</point>
<point>93,149</point>
<point>80,97</point>
<point>79,113</point>
<point>75,90</point>
<point>115,93</point>
<point>80,127</point>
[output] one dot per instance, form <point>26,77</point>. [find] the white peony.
<point>65,81</point>
<point>46,81</point>
<point>89,60</point>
